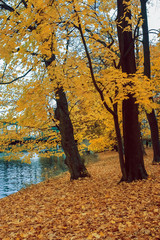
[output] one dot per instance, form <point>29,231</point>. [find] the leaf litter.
<point>91,208</point>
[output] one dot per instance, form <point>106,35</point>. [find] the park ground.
<point>91,208</point>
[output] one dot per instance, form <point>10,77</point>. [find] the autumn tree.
<point>134,162</point>
<point>27,21</point>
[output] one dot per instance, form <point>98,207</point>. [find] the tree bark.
<point>134,163</point>
<point>73,160</point>
<point>120,144</point>
<point>132,143</point>
<point>154,136</point>
<point>147,71</point>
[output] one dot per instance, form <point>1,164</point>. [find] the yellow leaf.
<point>112,221</point>
<point>101,234</point>
<point>89,236</point>
<point>40,236</point>
<point>156,210</point>
<point>129,224</point>
<point>113,207</point>
<point>107,196</point>
<point>96,235</point>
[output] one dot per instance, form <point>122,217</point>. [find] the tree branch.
<point>5,6</point>
<point>24,3</point>
<point>99,40</point>
<point>91,68</point>
<point>50,60</point>
<point>5,83</point>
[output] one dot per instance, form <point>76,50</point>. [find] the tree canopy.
<point>71,44</point>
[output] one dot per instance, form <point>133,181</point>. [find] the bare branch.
<point>5,83</point>
<point>5,6</point>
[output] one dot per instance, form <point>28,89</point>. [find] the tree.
<point>134,162</point>
<point>31,28</point>
<point>147,71</point>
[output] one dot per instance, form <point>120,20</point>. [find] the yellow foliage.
<point>101,144</point>
<point>31,35</point>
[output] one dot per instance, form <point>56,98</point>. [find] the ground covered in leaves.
<point>92,208</point>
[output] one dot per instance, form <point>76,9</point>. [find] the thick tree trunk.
<point>132,142</point>
<point>147,71</point>
<point>73,160</point>
<point>134,163</point>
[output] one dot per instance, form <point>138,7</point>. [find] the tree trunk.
<point>73,160</point>
<point>147,71</point>
<point>132,142</point>
<point>154,136</point>
<point>120,145</point>
<point>134,163</point>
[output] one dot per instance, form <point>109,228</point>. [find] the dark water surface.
<point>15,175</point>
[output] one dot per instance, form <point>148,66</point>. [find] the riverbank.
<point>92,208</point>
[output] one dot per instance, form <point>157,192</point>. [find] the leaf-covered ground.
<point>92,208</point>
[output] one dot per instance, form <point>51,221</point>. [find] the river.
<point>15,175</point>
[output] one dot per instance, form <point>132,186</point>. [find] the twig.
<point>4,83</point>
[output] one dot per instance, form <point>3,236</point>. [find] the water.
<point>15,175</point>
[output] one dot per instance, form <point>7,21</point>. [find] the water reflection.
<point>15,175</point>
<point>52,166</point>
